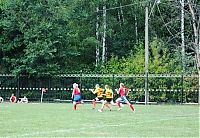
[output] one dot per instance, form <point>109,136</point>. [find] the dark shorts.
<point>98,98</point>
<point>108,99</point>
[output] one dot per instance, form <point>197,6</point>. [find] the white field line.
<point>38,133</point>
<point>94,126</point>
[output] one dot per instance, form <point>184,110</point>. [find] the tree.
<point>194,9</point>
<point>35,36</point>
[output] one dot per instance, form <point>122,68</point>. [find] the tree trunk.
<point>119,18</point>
<point>196,40</point>
<point>122,14</point>
<point>199,87</point>
<point>104,35</point>
<point>133,10</point>
<point>97,37</point>
<point>136,29</point>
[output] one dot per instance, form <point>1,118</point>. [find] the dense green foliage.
<point>47,37</point>
<point>58,36</point>
<point>161,61</point>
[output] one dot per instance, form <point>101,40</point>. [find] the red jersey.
<point>13,98</point>
<point>76,91</point>
<point>122,91</point>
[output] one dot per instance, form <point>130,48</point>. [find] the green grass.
<point>59,120</point>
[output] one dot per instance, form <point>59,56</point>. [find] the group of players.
<point>100,94</point>
<point>105,96</point>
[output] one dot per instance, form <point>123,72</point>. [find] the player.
<point>23,100</point>
<point>99,92</point>
<point>1,99</point>
<point>76,95</point>
<point>122,91</point>
<point>109,98</point>
<point>13,98</point>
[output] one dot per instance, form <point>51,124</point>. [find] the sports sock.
<point>94,104</point>
<point>75,107</point>
<point>132,108</point>
<point>118,103</point>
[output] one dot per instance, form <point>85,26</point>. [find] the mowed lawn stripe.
<point>59,120</point>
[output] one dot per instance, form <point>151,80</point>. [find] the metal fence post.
<point>18,87</point>
<point>146,88</point>
<point>146,55</point>
<point>49,88</point>
<point>113,81</point>
<point>182,79</point>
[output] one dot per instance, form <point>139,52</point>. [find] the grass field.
<point>59,120</point>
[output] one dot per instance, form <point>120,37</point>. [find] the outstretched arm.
<point>92,90</point>
<point>127,91</point>
<point>117,90</point>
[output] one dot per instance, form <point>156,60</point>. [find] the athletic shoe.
<point>121,105</point>
<point>119,109</point>
<point>99,110</point>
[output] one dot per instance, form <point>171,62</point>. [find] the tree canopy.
<point>46,37</point>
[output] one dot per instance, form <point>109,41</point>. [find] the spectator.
<point>23,100</point>
<point>13,98</point>
<point>1,99</point>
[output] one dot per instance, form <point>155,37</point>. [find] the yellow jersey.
<point>99,92</point>
<point>109,93</point>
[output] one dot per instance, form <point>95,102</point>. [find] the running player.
<point>13,99</point>
<point>109,98</point>
<point>99,95</point>
<point>76,95</point>
<point>122,91</point>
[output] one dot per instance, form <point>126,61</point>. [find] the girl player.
<point>99,92</point>
<point>109,98</point>
<point>76,95</point>
<point>122,91</point>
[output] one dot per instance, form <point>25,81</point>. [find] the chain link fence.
<point>167,88</point>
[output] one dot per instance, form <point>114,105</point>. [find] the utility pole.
<point>182,35</point>
<point>146,55</point>
<point>182,45</point>
<point>104,35</point>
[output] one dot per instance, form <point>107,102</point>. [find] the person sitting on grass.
<point>13,98</point>
<point>23,100</point>
<point>1,99</point>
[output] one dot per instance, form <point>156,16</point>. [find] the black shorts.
<point>108,99</point>
<point>98,98</point>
